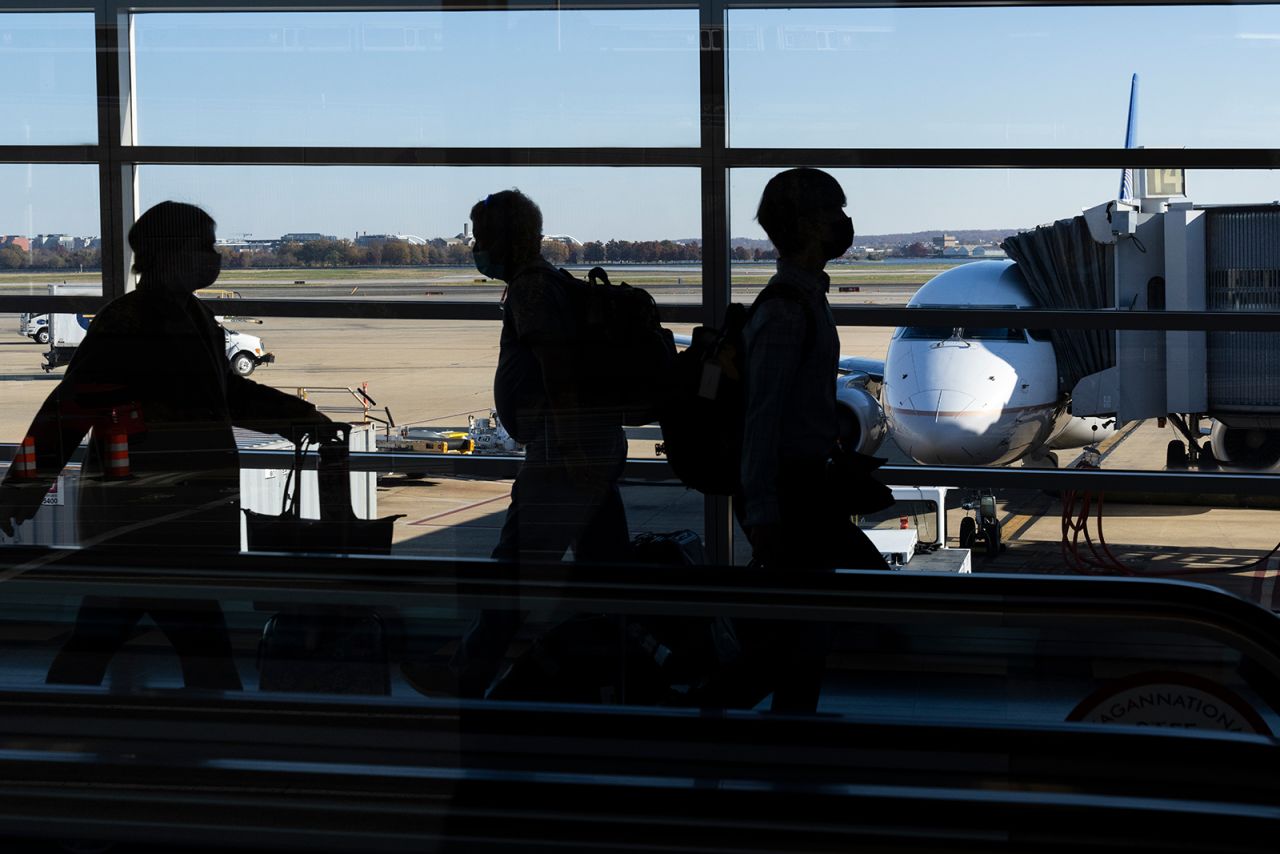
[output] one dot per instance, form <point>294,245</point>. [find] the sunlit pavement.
<point>438,372</point>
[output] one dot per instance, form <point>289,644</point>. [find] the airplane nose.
<point>945,402</point>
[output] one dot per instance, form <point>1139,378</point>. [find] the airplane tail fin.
<point>1130,140</point>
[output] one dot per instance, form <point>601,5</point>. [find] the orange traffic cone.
<point>118,456</point>
<point>24,464</point>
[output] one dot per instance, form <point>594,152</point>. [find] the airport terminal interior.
<point>289,564</point>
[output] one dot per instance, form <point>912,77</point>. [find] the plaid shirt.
<point>790,389</point>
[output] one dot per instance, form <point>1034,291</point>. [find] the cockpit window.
<point>928,333</point>
<point>993,333</point>
<point>941,333</point>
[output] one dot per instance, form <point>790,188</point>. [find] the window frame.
<point>118,159</point>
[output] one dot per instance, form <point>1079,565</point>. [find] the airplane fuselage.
<point>957,396</point>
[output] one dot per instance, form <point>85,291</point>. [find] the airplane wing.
<point>873,368</point>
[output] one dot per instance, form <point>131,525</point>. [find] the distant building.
<point>955,252</point>
<point>23,243</point>
<point>945,241</point>
<point>463,239</point>
<point>53,241</point>
<point>991,251</point>
<point>561,238</point>
<point>367,239</point>
<point>246,245</point>
<point>305,237</point>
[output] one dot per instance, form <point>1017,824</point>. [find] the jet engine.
<point>860,413</point>
<point>1247,447</point>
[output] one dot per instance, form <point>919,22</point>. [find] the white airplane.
<point>971,396</point>
<point>962,395</point>
<point>974,396</point>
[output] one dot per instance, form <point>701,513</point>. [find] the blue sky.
<point>1032,77</point>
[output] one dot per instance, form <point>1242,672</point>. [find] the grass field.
<point>643,275</point>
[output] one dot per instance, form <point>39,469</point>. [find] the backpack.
<point>703,414</point>
<point>626,353</point>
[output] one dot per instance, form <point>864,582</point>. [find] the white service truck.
<point>34,326</point>
<point>245,352</point>
<point>64,332</point>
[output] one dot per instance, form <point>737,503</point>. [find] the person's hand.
<point>18,504</point>
<point>766,544</point>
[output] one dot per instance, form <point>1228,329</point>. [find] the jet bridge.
<point>1165,253</point>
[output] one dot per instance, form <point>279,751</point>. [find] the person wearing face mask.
<point>788,506</point>
<point>565,495</point>
<point>173,416</point>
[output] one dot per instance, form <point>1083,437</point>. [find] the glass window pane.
<point>47,65</point>
<point>933,77</point>
<point>540,78</point>
<point>431,386</point>
<point>403,232</point>
<point>50,223</point>
<point>911,224</point>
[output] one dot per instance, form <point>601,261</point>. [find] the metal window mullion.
<point>57,154</point>
<point>115,177</point>
<point>947,4</point>
<point>1037,318</point>
<point>716,285</point>
<point>394,5</point>
<point>319,155</point>
<point>1004,158</point>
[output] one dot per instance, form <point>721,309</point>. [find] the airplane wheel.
<point>993,539</point>
<point>1207,458</point>
<point>1176,456</point>
<point>968,532</point>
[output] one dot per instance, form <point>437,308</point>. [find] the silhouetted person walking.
<point>566,493</point>
<point>152,386</point>
<point>791,507</point>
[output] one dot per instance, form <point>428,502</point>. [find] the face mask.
<point>840,239</point>
<point>487,265</point>
<point>208,270</point>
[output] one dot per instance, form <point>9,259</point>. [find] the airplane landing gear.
<point>1196,450</point>
<point>983,527</point>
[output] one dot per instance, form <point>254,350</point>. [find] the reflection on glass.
<point>932,77</point>
<point>47,65</point>
<point>538,78</point>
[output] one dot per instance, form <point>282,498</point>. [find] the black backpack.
<point>703,414</point>
<point>626,353</point>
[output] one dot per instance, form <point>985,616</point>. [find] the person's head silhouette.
<point>508,233</point>
<point>802,211</point>
<point>173,248</point>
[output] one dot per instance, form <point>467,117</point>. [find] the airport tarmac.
<point>437,373</point>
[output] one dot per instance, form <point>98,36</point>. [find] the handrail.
<point>841,596</point>
<point>658,470</point>
<point>335,774</point>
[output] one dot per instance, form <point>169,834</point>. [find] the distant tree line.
<point>344,253</point>
<point>394,253</point>
<point>917,249</point>
<point>398,253</point>
<point>17,258</point>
